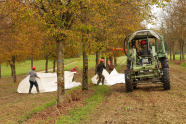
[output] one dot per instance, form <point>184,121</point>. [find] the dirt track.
<point>147,104</point>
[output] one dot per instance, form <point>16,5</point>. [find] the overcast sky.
<point>157,12</point>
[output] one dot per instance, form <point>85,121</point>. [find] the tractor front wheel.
<point>166,79</point>
<point>128,82</point>
<point>134,85</point>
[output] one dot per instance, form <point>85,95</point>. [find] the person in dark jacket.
<point>32,79</point>
<point>100,70</point>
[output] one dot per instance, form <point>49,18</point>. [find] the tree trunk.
<point>180,53</point>
<point>107,62</point>
<point>54,66</point>
<point>170,52</point>
<point>32,62</point>
<point>0,70</point>
<point>97,61</point>
<point>46,64</point>
<point>111,59</point>
<point>115,61</point>
<point>13,69</point>
<point>183,58</point>
<point>14,73</point>
<point>60,73</point>
<point>85,65</point>
<point>173,52</point>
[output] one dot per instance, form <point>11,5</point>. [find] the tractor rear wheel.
<point>128,82</point>
<point>166,79</point>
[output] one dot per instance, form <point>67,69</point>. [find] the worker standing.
<point>100,70</point>
<point>32,79</point>
<point>74,70</point>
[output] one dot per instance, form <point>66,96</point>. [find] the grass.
<point>96,97</point>
<point>79,63</point>
<point>76,115</point>
<point>28,115</point>
<point>121,63</point>
<point>24,67</point>
<point>177,56</point>
<point>184,64</point>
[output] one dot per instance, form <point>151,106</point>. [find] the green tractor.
<point>146,60</point>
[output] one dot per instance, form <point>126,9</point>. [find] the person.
<point>144,47</point>
<point>100,70</point>
<point>32,79</point>
<point>110,67</point>
<point>145,51</point>
<point>74,70</point>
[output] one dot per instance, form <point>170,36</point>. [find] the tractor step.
<point>140,83</point>
<point>143,76</point>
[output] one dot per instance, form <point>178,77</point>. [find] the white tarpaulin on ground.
<point>110,79</point>
<point>47,82</point>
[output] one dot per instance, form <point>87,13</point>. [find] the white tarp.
<point>110,79</point>
<point>47,82</point>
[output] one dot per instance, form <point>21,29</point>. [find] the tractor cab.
<point>146,58</point>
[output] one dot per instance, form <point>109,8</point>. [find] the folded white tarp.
<point>110,79</point>
<point>47,82</point>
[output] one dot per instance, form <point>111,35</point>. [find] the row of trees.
<point>54,29</point>
<point>174,27</point>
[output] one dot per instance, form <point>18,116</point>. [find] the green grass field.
<point>24,67</point>
<point>177,57</point>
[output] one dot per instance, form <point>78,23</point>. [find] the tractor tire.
<point>166,79</point>
<point>164,62</point>
<point>128,65</point>
<point>134,85</point>
<point>128,82</point>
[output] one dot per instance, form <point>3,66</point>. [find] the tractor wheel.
<point>164,62</point>
<point>134,85</point>
<point>128,65</point>
<point>128,82</point>
<point>166,79</point>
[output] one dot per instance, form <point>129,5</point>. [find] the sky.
<point>157,12</point>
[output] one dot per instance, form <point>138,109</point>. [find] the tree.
<point>14,33</point>
<point>57,16</point>
<point>174,28</point>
